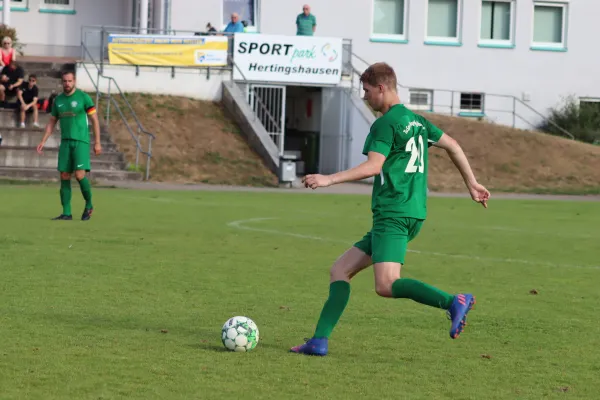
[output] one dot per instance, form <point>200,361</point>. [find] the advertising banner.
<point>168,51</point>
<point>292,59</point>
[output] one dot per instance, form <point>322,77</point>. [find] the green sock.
<point>339,293</point>
<point>86,191</point>
<point>65,196</point>
<point>421,293</point>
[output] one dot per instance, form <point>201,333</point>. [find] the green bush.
<point>11,33</point>
<point>581,122</point>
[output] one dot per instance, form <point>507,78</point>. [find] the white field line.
<point>242,225</point>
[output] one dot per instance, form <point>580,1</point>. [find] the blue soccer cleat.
<point>313,347</point>
<point>457,313</point>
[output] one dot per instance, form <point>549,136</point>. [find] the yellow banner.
<point>168,51</point>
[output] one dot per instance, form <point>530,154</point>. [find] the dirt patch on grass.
<point>195,143</point>
<point>506,159</point>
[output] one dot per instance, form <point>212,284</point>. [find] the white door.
<point>268,104</point>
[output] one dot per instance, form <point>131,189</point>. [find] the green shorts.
<point>73,155</point>
<point>388,239</point>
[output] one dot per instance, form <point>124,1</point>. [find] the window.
<point>64,5</point>
<point>471,103</point>
<point>443,21</point>
<point>389,19</point>
<point>497,18</point>
<point>420,99</point>
<point>246,9</point>
<point>15,3</point>
<point>589,105</point>
<point>549,25</point>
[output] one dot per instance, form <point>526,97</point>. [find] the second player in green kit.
<point>71,109</point>
<point>397,159</point>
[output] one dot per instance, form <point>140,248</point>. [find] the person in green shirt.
<point>72,108</point>
<point>396,150</point>
<point>306,23</point>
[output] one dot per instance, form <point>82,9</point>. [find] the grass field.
<point>130,304</point>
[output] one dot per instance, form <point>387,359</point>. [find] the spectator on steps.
<point>28,99</point>
<point>235,25</point>
<point>210,29</point>
<point>10,80</point>
<point>306,23</point>
<point>7,52</point>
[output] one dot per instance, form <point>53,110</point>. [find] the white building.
<point>538,51</point>
<point>507,61</point>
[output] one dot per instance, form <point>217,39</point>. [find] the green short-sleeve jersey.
<point>403,137</point>
<point>72,113</point>
<point>305,24</point>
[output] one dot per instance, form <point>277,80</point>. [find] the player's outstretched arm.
<point>369,168</point>
<point>478,192</point>
<point>49,130</point>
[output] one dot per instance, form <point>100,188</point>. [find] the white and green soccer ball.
<point>239,334</point>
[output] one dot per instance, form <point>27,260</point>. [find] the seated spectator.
<point>235,25</point>
<point>28,99</point>
<point>11,79</point>
<point>306,23</point>
<point>210,29</point>
<point>7,53</point>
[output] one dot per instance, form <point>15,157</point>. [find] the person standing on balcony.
<point>306,23</point>
<point>235,26</point>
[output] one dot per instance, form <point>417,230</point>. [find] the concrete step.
<point>43,68</point>
<point>49,159</point>
<point>31,137</point>
<point>10,118</point>
<point>17,152</point>
<point>51,174</point>
<point>44,81</point>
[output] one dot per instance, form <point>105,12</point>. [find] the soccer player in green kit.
<point>72,108</point>
<point>397,158</point>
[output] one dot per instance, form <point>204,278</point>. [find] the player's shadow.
<point>208,347</point>
<point>217,347</point>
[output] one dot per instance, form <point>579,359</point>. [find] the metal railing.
<point>501,103</point>
<point>262,112</point>
<point>111,99</point>
<point>95,39</point>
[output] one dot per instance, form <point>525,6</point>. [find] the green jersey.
<point>72,112</point>
<point>403,138</point>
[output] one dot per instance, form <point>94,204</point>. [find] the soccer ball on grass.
<point>239,334</point>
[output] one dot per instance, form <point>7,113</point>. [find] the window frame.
<point>442,40</point>
<point>510,43</point>
<point>467,111</point>
<point>382,37</point>
<point>562,46</point>
<point>16,4</point>
<point>421,107</point>
<point>58,7</point>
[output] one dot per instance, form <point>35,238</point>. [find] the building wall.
<point>54,34</point>
<point>186,82</point>
<point>540,78</point>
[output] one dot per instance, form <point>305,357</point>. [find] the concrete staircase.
<point>18,156</point>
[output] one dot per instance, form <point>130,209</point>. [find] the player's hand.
<point>97,149</point>
<point>40,147</point>
<point>479,194</point>
<point>316,181</point>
